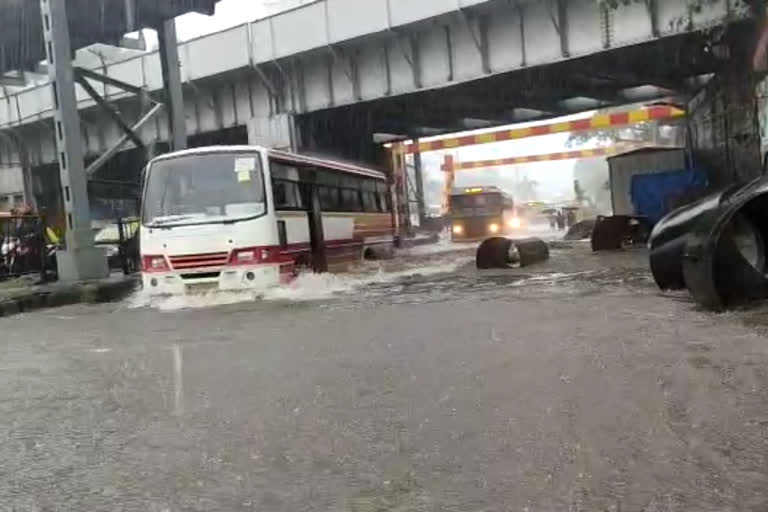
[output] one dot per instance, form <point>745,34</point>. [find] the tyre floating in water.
<point>500,252</point>
<point>619,232</point>
<point>716,247</point>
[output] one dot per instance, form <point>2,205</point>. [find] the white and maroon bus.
<point>235,217</point>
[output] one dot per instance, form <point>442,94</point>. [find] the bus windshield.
<point>476,205</point>
<point>204,189</point>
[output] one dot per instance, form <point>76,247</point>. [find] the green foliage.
<point>695,6</point>
<point>591,174</point>
<point>754,7</point>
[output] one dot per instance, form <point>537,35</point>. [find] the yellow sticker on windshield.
<point>243,176</point>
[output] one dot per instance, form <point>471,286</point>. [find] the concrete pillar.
<point>81,260</point>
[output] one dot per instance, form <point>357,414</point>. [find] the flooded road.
<point>422,385</point>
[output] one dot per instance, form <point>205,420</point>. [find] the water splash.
<point>141,299</point>
<point>306,287</point>
<point>323,286</point>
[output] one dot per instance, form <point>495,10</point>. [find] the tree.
<point>592,178</point>
<point>526,190</point>
<point>639,133</point>
<point>657,132</point>
<point>754,8</point>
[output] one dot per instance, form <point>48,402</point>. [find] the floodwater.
<point>412,264</point>
<point>315,287</point>
<point>421,384</point>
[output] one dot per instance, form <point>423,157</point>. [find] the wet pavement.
<point>423,386</point>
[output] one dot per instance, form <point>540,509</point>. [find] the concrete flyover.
<point>345,69</point>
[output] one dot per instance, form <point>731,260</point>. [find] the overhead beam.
<point>348,66</point>
<point>559,20</point>
<point>546,157</point>
<point>653,16</point>
<point>597,122</point>
<point>98,77</point>
<point>110,110</point>
<point>479,37</point>
<point>411,53</point>
<point>627,80</point>
<point>104,157</point>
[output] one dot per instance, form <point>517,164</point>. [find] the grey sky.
<point>230,13</point>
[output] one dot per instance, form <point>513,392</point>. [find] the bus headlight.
<point>458,229</point>
<point>515,223</point>
<point>493,228</point>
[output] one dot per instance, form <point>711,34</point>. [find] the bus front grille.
<point>201,275</point>
<point>192,261</point>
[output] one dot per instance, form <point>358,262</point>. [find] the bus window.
<point>282,171</point>
<point>329,198</point>
<point>338,191</point>
<point>279,194</point>
<point>286,187</point>
<point>287,195</point>
<point>384,202</point>
<point>370,202</point>
<point>350,200</point>
<point>330,178</point>
<point>383,197</point>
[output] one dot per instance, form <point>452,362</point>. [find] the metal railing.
<point>120,240</point>
<point>24,249</point>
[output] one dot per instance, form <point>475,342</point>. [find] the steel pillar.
<point>81,260</point>
<point>174,95</point>
<point>419,177</point>
<point>316,231</point>
<point>449,168</point>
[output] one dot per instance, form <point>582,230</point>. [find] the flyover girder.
<point>262,68</point>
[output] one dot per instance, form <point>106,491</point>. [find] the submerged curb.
<point>66,295</point>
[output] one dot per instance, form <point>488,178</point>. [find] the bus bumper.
<point>241,278</point>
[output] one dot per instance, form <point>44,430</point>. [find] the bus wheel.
<point>302,265</point>
<point>494,253</point>
<point>380,252</point>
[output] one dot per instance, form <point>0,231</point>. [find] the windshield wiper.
<point>167,220</point>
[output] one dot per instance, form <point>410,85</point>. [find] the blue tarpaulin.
<point>655,195</point>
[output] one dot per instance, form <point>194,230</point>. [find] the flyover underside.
<point>667,69</point>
